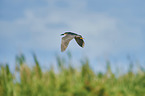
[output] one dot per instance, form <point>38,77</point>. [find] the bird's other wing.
<point>80,41</point>
<point>65,41</point>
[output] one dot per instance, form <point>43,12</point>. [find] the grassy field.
<point>69,81</point>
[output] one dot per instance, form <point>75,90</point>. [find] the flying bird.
<point>68,37</point>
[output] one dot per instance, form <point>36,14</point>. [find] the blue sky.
<point>112,30</point>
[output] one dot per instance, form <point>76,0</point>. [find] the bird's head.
<point>64,33</point>
<point>61,34</point>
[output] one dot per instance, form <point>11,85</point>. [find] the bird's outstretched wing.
<point>65,41</point>
<point>80,41</point>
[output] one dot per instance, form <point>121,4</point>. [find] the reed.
<point>69,81</point>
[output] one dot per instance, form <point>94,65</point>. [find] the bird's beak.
<point>61,34</point>
<point>81,38</point>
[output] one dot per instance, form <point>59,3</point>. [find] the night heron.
<point>68,37</point>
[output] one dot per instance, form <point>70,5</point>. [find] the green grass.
<point>69,81</point>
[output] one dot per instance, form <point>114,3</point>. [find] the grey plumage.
<point>68,37</point>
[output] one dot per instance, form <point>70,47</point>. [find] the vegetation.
<point>69,81</point>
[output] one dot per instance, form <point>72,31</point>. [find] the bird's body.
<point>68,37</point>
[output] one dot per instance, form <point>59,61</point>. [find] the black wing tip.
<point>83,45</point>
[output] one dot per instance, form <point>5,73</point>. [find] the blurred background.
<point>113,32</point>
